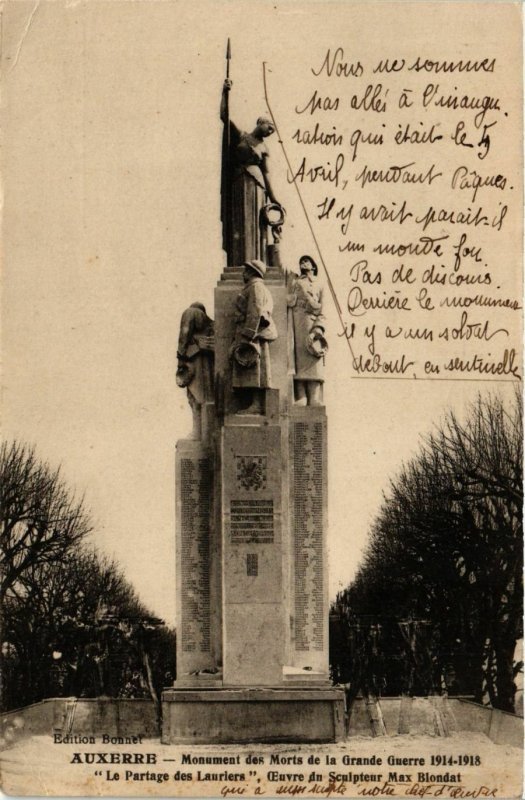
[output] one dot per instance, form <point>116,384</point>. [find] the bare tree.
<point>72,623</point>
<point>446,551</point>
<point>483,459</point>
<point>39,519</point>
<point>77,627</point>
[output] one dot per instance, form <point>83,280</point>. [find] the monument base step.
<point>199,680</point>
<point>222,716</point>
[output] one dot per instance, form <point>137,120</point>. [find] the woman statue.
<point>245,187</point>
<point>306,302</point>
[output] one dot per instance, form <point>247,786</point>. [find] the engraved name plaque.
<point>307,524</point>
<point>195,493</point>
<point>251,521</point>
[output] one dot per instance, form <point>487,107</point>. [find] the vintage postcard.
<point>261,470</point>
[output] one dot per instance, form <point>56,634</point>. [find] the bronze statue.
<point>306,301</point>
<point>195,361</point>
<point>245,187</point>
<point>255,329</point>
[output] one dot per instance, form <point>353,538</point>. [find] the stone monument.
<point>251,487</point>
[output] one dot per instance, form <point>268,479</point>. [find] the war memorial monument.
<point>251,485</point>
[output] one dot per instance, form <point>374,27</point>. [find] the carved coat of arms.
<point>251,472</point>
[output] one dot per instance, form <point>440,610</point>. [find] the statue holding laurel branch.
<point>248,203</point>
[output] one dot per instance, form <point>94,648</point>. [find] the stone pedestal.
<point>308,526</point>
<point>253,715</point>
<point>194,496</point>
<point>252,554</point>
<point>252,588</point>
